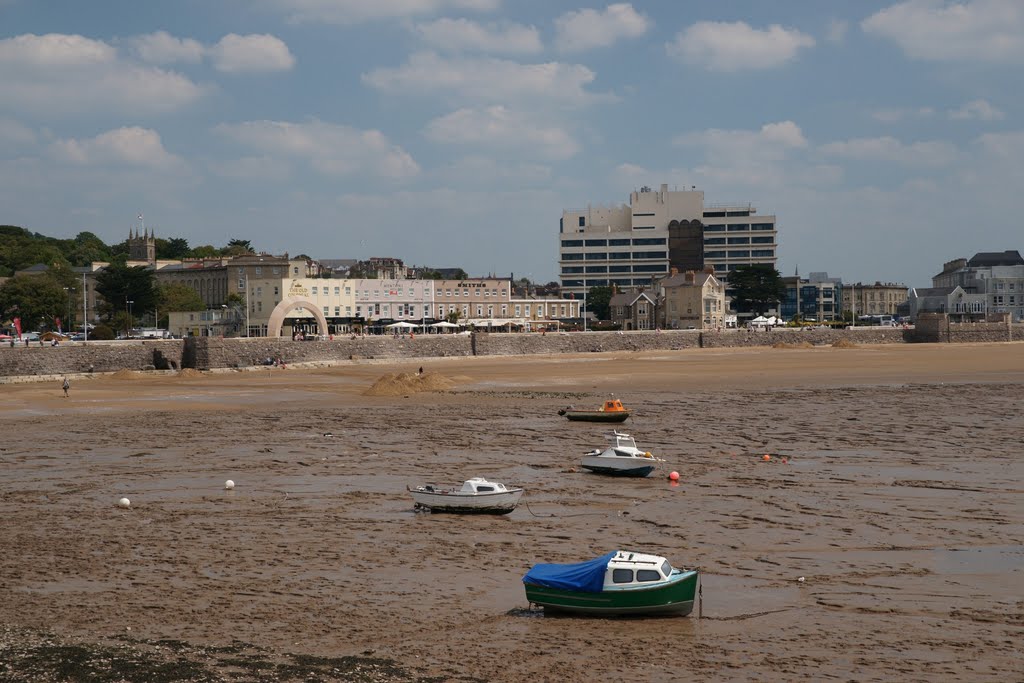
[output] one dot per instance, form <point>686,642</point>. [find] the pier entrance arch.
<point>280,312</point>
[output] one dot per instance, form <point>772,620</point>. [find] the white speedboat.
<point>622,459</point>
<point>477,495</point>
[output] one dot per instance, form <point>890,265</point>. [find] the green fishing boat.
<point>617,583</point>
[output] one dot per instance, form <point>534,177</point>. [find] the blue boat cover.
<point>587,577</point>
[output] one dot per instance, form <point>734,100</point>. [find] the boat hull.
<point>480,504</point>
<point>674,597</point>
<point>596,415</point>
<point>617,468</point>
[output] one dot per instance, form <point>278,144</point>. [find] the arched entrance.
<point>279,313</point>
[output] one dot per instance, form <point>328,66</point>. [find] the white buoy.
<point>228,485</point>
<point>801,579</point>
<point>124,503</point>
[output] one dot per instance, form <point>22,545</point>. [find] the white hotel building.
<point>630,246</point>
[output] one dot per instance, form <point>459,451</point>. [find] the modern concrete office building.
<point>629,246</point>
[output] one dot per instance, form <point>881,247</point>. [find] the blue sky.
<point>885,136</point>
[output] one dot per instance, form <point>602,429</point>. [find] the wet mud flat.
<point>898,504</point>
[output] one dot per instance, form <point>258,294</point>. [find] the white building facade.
<point>629,246</point>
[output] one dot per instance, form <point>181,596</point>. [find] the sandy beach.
<point>899,504</point>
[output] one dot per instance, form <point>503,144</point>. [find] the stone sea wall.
<point>207,353</point>
<point>91,357</point>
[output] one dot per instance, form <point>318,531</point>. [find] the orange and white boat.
<point>611,411</point>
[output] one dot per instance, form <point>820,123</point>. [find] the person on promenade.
<point>66,386</point>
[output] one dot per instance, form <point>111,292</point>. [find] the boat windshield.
<point>666,569</point>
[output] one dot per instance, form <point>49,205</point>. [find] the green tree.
<point>35,299</point>
<point>598,302</point>
<point>175,248</point>
<point>177,297</point>
<point>205,251</point>
<point>756,288</point>
<point>453,317</point>
<point>237,247</point>
<point>120,284</point>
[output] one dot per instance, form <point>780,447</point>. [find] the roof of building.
<point>986,259</point>
<point>921,292</point>
<point>628,298</point>
<point>682,280</point>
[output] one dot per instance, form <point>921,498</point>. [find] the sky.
<point>886,137</point>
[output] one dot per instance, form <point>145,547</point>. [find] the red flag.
<point>17,326</point>
<point>57,321</point>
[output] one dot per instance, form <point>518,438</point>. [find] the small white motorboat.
<point>477,495</point>
<point>622,459</point>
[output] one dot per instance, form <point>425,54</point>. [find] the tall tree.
<point>756,288</point>
<point>120,284</point>
<point>598,302</point>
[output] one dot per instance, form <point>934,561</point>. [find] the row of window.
<point>738,241</point>
<point>726,214</point>
<point>739,227</point>
<point>616,256</point>
<point>410,310</point>
<point>740,253</point>
<point>640,268</point>
<point>617,242</point>
<point>601,282</point>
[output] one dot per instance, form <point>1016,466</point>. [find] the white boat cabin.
<point>630,570</point>
<point>623,440</point>
<point>481,485</point>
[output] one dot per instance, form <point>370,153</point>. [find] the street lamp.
<point>67,321</point>
<point>128,323</point>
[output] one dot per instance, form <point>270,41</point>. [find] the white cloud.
<point>933,153</point>
<point>836,32</point>
<point>485,78</point>
<point>897,114</point>
<point>771,142</point>
<point>463,34</point>
<point>500,128</point>
<point>163,48</point>
<point>54,50</point>
<point>588,28</point>
<point>131,146</point>
<point>733,46</point>
<point>329,148</point>
<point>251,53</point>
<point>976,109</point>
<point>231,54</point>
<point>975,30</point>
<point>346,12</point>
<point>70,74</point>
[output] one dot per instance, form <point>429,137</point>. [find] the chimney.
<point>690,277</point>
<point>673,271</point>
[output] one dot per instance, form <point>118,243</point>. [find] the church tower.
<point>142,248</point>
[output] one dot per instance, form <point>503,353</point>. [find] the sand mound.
<point>844,344</point>
<point>402,383</point>
<point>126,374</point>
<point>790,345</point>
<point>189,373</point>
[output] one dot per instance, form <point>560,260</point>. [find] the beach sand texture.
<point>899,503</point>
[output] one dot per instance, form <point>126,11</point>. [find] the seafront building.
<point>990,281</point>
<point>873,299</point>
<point>350,304</point>
<point>631,246</point>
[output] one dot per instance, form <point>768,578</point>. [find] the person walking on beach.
<point>66,386</point>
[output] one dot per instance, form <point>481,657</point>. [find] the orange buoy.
<point>766,457</point>
<point>674,476</point>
